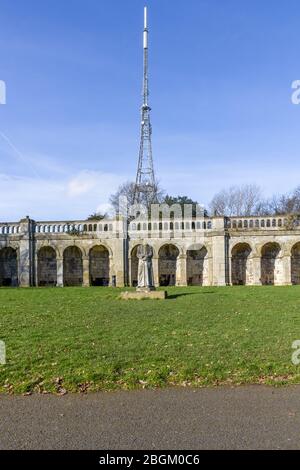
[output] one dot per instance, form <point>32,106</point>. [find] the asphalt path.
<point>251,417</point>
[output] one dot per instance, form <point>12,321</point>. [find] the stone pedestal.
<point>143,294</point>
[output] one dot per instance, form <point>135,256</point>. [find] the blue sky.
<point>220,91</point>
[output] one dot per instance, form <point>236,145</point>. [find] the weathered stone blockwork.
<point>209,251</point>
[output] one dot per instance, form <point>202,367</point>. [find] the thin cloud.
<point>66,198</point>
<point>17,152</point>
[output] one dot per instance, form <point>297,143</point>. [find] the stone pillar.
<point>60,272</point>
<point>218,256</point>
<point>282,275</point>
<point>249,271</point>
<point>118,261</point>
<point>155,271</point>
<point>287,270</point>
<point>207,271</point>
<point>129,271</point>
<point>181,268</point>
<point>254,263</point>
<point>86,271</point>
<point>24,280</point>
<point>36,283</point>
<point>230,270</point>
<point>117,270</point>
<point>25,252</point>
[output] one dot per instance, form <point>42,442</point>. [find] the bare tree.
<point>125,195</point>
<point>125,190</point>
<point>281,204</point>
<point>237,200</point>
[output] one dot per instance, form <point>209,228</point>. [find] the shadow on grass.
<point>174,296</point>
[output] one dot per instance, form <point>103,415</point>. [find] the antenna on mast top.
<point>145,36</point>
<point>145,17</point>
<point>145,187</point>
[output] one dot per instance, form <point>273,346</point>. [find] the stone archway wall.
<point>99,266</point>
<point>8,268</point>
<point>72,266</point>
<point>167,265</point>
<point>47,267</point>
<point>282,268</point>
<point>239,261</point>
<point>295,264</point>
<point>196,266</point>
<point>269,255</point>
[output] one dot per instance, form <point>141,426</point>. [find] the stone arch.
<point>295,263</point>
<point>167,264</point>
<point>181,248</point>
<point>8,267</point>
<point>239,260</point>
<point>196,265</point>
<point>269,254</point>
<point>99,266</point>
<point>73,266</point>
<point>45,245</point>
<point>104,245</point>
<point>47,267</point>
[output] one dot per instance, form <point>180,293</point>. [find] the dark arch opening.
<point>295,264</point>
<point>167,265</point>
<point>47,267</point>
<point>269,253</point>
<point>8,267</point>
<point>195,266</point>
<point>73,270</point>
<point>134,266</point>
<point>99,266</point>
<point>239,258</point>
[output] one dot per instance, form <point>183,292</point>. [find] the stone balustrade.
<point>262,223</point>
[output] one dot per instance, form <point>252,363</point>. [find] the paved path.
<point>219,418</point>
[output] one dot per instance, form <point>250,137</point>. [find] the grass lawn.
<point>78,339</point>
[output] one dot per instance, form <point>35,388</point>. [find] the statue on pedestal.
<point>145,287</point>
<point>145,270</point>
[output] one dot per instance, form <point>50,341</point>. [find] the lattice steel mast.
<point>145,186</point>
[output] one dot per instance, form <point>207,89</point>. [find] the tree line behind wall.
<point>248,200</point>
<point>244,200</point>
